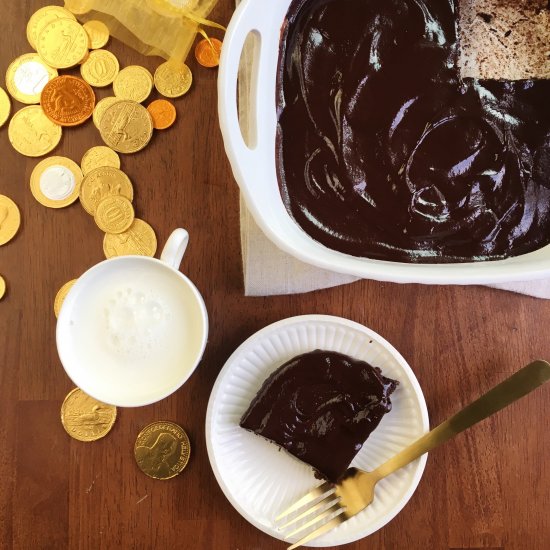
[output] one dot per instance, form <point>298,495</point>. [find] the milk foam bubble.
<point>135,322</point>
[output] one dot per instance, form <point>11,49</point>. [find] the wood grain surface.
<point>489,488</point>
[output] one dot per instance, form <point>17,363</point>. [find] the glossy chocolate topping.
<point>383,151</point>
<point>321,407</point>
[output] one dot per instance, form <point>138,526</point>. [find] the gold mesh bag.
<point>166,28</point>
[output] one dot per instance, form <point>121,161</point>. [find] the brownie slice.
<point>321,407</point>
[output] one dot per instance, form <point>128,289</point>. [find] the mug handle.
<point>174,249</point>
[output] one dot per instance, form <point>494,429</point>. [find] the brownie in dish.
<point>385,151</point>
<point>321,407</point>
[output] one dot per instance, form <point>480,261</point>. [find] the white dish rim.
<point>304,319</point>
<point>255,172</point>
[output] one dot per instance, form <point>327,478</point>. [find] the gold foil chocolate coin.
<point>55,182</point>
<point>85,418</point>
<point>99,157</point>
<point>78,7</point>
<point>5,107</point>
<point>173,79</point>
<point>163,114</point>
<point>32,133</point>
<point>133,82</point>
<point>102,183</point>
<point>10,219</point>
<point>98,34</point>
<point>207,52</point>
<point>101,107</point>
<point>114,214</point>
<point>138,240</point>
<point>61,295</point>
<point>63,43</point>
<point>2,287</point>
<point>100,68</point>
<point>42,18</point>
<point>126,127</point>
<point>27,76</point>
<point>68,100</point>
<point>86,57</point>
<point>162,450</point>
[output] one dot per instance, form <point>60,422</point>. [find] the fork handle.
<point>513,388</point>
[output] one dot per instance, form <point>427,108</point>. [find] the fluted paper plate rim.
<point>408,478</point>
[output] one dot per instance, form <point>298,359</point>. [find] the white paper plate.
<point>259,479</point>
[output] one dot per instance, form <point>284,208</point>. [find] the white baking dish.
<point>255,170</point>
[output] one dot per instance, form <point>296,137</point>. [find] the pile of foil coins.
<point>56,101</point>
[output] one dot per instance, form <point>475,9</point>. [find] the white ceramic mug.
<point>133,329</point>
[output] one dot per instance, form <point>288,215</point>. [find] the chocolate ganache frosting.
<point>321,407</point>
<point>384,151</point>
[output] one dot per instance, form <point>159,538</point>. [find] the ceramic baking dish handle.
<point>244,21</point>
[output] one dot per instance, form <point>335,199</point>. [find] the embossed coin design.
<point>5,107</point>
<point>85,58</point>
<point>79,7</point>
<point>98,34</point>
<point>163,114</point>
<point>10,219</point>
<point>32,133</point>
<point>114,214</point>
<point>27,76</point>
<point>173,79</point>
<point>133,82</point>
<point>162,450</point>
<point>61,295</point>
<point>68,100</point>
<point>63,43</point>
<point>99,157</point>
<point>2,287</point>
<point>86,419</point>
<point>42,18</point>
<point>138,240</point>
<point>126,127</point>
<point>100,69</point>
<point>208,53</point>
<point>101,107</point>
<point>101,183</point>
<point>55,182</point>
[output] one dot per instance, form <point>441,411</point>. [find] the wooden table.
<point>487,489</point>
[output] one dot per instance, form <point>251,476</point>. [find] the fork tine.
<point>326,514</point>
<point>334,522</point>
<point>320,506</point>
<point>314,494</point>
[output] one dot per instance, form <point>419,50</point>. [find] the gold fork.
<point>332,504</point>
